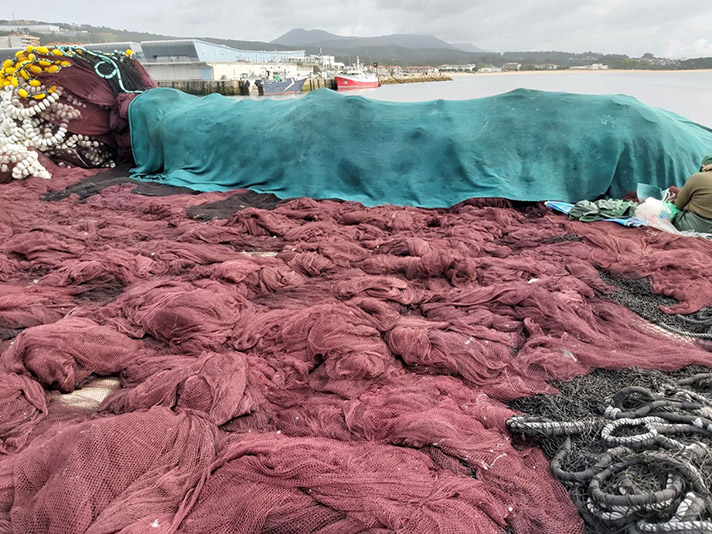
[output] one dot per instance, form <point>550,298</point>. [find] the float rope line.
<point>699,320</point>
<point>113,60</point>
<point>35,116</point>
<point>685,333</point>
<point>25,70</point>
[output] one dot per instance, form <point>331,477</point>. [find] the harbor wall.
<point>318,83</point>
<point>204,87</point>
<point>414,78</point>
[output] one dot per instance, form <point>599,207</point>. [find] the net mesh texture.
<point>316,366</point>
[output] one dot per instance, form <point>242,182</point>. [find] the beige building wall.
<point>178,71</point>
<point>234,71</point>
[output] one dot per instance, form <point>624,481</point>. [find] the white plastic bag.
<point>656,214</point>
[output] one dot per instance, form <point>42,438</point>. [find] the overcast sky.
<point>668,28</point>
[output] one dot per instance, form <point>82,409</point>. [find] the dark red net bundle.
<point>306,366</point>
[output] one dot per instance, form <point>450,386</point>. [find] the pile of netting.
<point>227,362</point>
<point>633,447</point>
<point>65,105</point>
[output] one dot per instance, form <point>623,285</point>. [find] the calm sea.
<point>688,93</point>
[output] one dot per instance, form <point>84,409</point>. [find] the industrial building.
<point>194,50</point>
<point>193,59</point>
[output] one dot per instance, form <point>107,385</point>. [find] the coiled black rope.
<point>641,460</point>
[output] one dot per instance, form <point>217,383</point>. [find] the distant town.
<point>313,53</point>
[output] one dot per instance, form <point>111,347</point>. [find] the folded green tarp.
<point>522,145</point>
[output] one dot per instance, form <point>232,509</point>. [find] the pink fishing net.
<point>318,367</point>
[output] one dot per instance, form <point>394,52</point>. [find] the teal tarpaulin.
<point>521,145</point>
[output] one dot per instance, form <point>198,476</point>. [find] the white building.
<point>18,41</point>
<point>489,69</point>
<point>195,50</point>
<point>321,61</point>
<point>511,66</point>
<point>594,66</point>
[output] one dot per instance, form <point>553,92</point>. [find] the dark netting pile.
<point>636,295</point>
<point>117,176</point>
<point>190,363</point>
<point>633,447</point>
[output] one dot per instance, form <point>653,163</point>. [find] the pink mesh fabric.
<point>89,477</point>
<point>212,386</point>
<point>197,316</point>
<point>63,354</point>
<point>300,476</point>
<point>22,406</point>
<point>321,367</point>
<point>22,306</point>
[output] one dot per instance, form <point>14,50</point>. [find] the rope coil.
<point>643,463</point>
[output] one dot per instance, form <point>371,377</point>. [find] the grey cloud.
<point>613,26</point>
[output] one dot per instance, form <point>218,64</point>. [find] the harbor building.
<point>490,69</point>
<point>594,66</point>
<point>16,41</point>
<point>193,59</point>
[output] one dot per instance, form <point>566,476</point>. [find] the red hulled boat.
<point>356,78</point>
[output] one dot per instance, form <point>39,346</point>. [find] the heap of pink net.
<point>321,367</point>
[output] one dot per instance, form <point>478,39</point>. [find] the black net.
<point>637,296</point>
<point>96,183</point>
<point>222,209</point>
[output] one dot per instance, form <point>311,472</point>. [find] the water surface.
<point>688,93</point>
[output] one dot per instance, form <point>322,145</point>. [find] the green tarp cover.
<point>521,145</point>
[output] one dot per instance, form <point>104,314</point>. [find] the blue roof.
<point>192,50</point>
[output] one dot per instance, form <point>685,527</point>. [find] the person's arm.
<point>672,193</point>
<point>683,197</point>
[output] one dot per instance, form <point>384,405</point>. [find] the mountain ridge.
<point>469,47</point>
<point>320,38</point>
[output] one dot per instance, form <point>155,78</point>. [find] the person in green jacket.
<point>694,201</point>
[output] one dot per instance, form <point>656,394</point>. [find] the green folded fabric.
<point>587,211</point>
<point>522,145</point>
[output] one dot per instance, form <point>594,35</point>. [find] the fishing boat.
<point>356,78</point>
<point>279,86</point>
